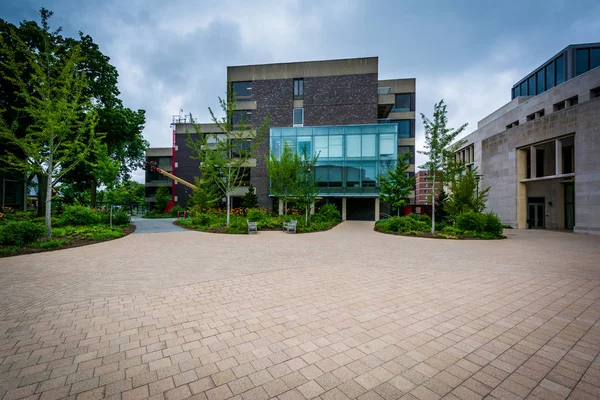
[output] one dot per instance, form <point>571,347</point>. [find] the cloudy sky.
<point>173,55</point>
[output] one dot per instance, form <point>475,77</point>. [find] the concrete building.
<point>539,152</point>
<point>423,188</point>
<point>163,157</point>
<point>339,108</point>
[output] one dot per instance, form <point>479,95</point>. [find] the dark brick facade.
<point>274,98</point>
<point>340,100</point>
<point>187,168</point>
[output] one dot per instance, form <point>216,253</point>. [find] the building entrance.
<point>360,209</point>
<point>536,213</point>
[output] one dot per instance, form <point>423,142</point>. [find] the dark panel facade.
<point>274,98</point>
<point>340,100</point>
<point>187,168</point>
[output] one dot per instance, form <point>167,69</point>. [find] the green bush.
<point>201,220</point>
<point>20,233</point>
<point>79,216</point>
<point>328,212</point>
<point>451,231</point>
<point>9,250</point>
<point>492,224</point>
<point>470,221</point>
<point>121,217</point>
<point>50,244</point>
<point>175,210</point>
<point>425,218</point>
<point>255,215</point>
<point>406,224</point>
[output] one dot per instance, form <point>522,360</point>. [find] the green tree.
<point>225,156</point>
<point>205,196</point>
<point>283,175</point>
<point>61,132</point>
<point>438,137</point>
<point>162,198</point>
<point>127,192</point>
<point>465,195</point>
<point>396,184</point>
<point>308,183</point>
<point>250,199</point>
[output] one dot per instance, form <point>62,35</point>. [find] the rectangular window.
<point>298,89</point>
<point>595,58</point>
<point>582,61</point>
<point>368,146</point>
<point>568,157</point>
<point>402,102</point>
<point>369,174</point>
<point>298,117</point>
<point>243,117</point>
<point>540,81</point>
<point>559,66</point>
<point>531,86</point>
<point>523,89</point>
<point>305,145</point>
<point>321,147</point>
<point>595,92</point>
<point>353,146</point>
<point>539,163</point>
<point>386,145</point>
<point>516,92</point>
<point>242,90</point>
<point>335,147</point>
<point>550,76</point>
<point>403,128</point>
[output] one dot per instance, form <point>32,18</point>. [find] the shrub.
<point>120,217</point>
<point>20,233</point>
<point>50,244</point>
<point>255,214</point>
<point>328,212</point>
<point>451,231</point>
<point>425,218</point>
<point>406,224</point>
<point>492,224</point>
<point>175,210</point>
<point>470,221</point>
<point>201,220</point>
<point>78,216</point>
<point>9,250</point>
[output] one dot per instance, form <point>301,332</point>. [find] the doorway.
<point>360,209</point>
<point>569,205</point>
<point>536,213</point>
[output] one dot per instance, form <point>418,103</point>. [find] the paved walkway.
<point>348,313</point>
<point>148,225</point>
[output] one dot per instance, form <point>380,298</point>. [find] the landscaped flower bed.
<point>215,220</point>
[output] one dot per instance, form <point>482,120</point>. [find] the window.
<point>402,102</point>
<point>573,101</point>
<point>243,117</point>
<point>540,81</point>
<point>305,145</point>
<point>353,146</point>
<point>582,61</point>
<point>321,147</point>
<point>559,106</point>
<point>550,76</point>
<point>368,145</point>
<point>523,88</point>
<point>298,89</point>
<point>242,90</point>
<point>531,85</point>
<point>404,128</point>
<point>559,66</point>
<point>595,92</point>
<point>386,145</point>
<point>298,117</point>
<point>595,58</point>
<point>539,163</point>
<point>335,146</point>
<point>516,92</point>
<point>568,157</point>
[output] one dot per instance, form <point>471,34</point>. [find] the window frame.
<point>298,90</point>
<point>294,124</point>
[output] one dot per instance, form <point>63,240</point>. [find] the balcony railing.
<point>384,90</point>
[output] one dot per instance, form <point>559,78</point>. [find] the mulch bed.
<point>75,242</point>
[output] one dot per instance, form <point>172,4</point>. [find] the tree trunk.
<point>42,183</point>
<point>93,193</point>
<point>433,206</point>
<point>49,206</point>
<point>228,207</point>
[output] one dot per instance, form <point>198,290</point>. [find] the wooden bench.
<point>290,226</point>
<point>252,227</point>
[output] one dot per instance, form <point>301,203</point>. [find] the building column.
<point>377,209</point>
<point>533,166</point>
<point>558,157</point>
<point>343,208</point>
<point>280,207</point>
<point>521,203</point>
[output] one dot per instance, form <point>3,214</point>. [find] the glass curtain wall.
<point>350,157</point>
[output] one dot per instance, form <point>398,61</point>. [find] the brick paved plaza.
<point>348,313</point>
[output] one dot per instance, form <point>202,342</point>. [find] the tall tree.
<point>466,194</point>
<point>396,184</point>
<point>308,183</point>
<point>283,175</point>
<point>438,137</point>
<point>225,156</point>
<point>61,132</point>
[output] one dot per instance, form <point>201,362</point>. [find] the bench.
<point>290,226</point>
<point>252,227</point>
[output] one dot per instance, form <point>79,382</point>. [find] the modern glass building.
<point>350,157</point>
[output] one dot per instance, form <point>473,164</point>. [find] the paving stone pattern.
<point>347,313</point>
